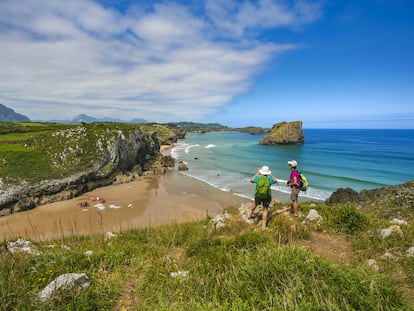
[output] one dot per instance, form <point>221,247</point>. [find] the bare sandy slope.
<point>171,198</point>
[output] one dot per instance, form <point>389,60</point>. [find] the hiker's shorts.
<point>294,193</point>
<point>264,202</point>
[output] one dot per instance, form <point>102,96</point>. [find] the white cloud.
<point>62,58</point>
<point>238,19</point>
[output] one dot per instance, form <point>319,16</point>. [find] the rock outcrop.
<point>176,133</point>
<point>253,130</point>
<point>343,195</point>
<point>391,198</point>
<point>285,133</point>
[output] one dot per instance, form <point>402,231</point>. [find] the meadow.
<point>199,266</point>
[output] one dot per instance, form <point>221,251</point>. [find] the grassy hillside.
<point>32,152</point>
<point>236,267</point>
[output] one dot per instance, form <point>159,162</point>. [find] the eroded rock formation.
<point>389,197</point>
<point>285,133</point>
<point>122,156</point>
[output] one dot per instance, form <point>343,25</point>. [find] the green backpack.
<point>303,182</point>
<point>263,187</point>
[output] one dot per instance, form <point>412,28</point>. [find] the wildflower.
<point>395,228</point>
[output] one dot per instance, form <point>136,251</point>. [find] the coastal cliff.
<point>392,199</point>
<point>284,133</point>
<point>63,162</point>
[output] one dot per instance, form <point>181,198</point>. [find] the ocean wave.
<point>224,176</point>
<point>310,193</point>
<point>226,182</point>
<point>187,149</point>
<point>204,180</point>
<point>179,148</point>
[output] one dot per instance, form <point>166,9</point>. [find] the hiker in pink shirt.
<point>293,183</point>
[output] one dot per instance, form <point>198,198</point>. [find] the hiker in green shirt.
<point>263,195</point>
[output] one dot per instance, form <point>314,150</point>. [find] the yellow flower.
<point>395,228</point>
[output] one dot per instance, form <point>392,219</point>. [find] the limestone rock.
<point>168,161</point>
<point>313,216</point>
<point>410,252</point>
<point>284,133</point>
<point>178,133</point>
<point>387,256</point>
<point>182,166</point>
<point>180,275</point>
<point>109,235</point>
<point>343,195</point>
<point>392,230</point>
<point>21,245</point>
<point>245,210</point>
<point>372,263</point>
<point>394,198</point>
<point>67,280</point>
<point>397,221</point>
<point>220,219</point>
<point>120,153</point>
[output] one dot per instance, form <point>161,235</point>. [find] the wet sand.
<point>150,201</point>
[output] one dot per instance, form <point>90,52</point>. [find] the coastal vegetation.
<point>200,266</point>
<point>33,152</point>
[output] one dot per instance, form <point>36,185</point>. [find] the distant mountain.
<point>195,124</point>
<point>89,119</point>
<point>84,118</point>
<point>137,120</point>
<point>8,114</point>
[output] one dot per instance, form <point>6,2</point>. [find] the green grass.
<point>24,127</point>
<point>19,137</point>
<point>233,268</point>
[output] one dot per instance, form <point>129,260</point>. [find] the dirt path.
<point>330,246</point>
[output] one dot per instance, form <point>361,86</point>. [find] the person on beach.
<point>263,195</point>
<point>293,183</point>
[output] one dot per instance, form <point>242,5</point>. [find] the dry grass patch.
<point>330,246</point>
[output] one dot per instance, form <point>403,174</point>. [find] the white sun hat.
<point>293,163</point>
<point>265,170</point>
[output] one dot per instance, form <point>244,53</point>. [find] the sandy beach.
<point>150,201</point>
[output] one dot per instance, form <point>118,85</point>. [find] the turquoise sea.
<point>330,158</point>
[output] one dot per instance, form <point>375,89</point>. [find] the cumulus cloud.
<point>167,63</point>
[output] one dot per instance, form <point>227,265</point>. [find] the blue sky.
<point>331,64</point>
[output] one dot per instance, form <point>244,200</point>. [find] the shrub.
<point>347,219</point>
